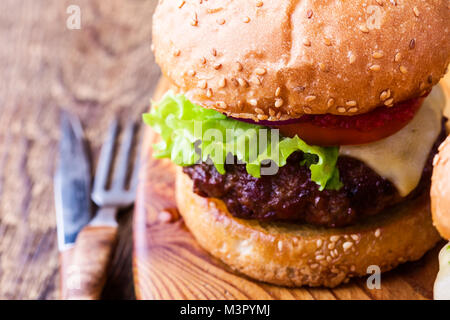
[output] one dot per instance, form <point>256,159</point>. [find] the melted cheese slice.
<point>402,156</point>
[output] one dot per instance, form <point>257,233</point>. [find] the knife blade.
<point>72,183</point>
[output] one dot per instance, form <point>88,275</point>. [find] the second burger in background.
<point>440,206</point>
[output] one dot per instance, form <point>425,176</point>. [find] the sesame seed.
<point>194,21</point>
<point>253,102</point>
<point>424,93</point>
<point>352,268</point>
<point>221,104</point>
<point>246,20</point>
<point>221,21</point>
<point>217,66</point>
<point>347,245</point>
<point>351,58</point>
<point>181,4</point>
<point>176,52</point>
<point>278,103</point>
<point>319,243</point>
<point>334,238</point>
<point>355,237</point>
<point>416,11</point>
<point>277,92</point>
<point>389,102</point>
<point>331,246</point>
<point>271,112</point>
<point>222,83</point>
<point>403,69</point>
<point>309,14</point>
<point>259,4</point>
<point>209,93</point>
<point>239,66</point>
<point>385,95</point>
<point>260,71</point>
<point>327,41</point>
<point>278,115</point>
<point>364,28</point>
<point>314,266</point>
<point>280,245</point>
<point>259,110</point>
<point>436,159</point>
<point>322,66</point>
<point>375,67</point>
<point>351,103</point>
<point>192,73</point>
<point>202,84</point>
<point>310,98</point>
<point>341,109</point>
<point>398,57</point>
<point>306,42</point>
<point>255,80</point>
<point>330,102</point>
<point>353,110</point>
<point>242,82</point>
<point>307,110</point>
<point>412,44</point>
<point>320,257</point>
<point>377,232</point>
<point>378,55</point>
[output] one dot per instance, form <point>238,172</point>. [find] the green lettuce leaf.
<point>191,133</point>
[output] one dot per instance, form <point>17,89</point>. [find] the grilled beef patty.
<point>291,195</point>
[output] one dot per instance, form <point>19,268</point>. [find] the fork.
<point>96,242</point>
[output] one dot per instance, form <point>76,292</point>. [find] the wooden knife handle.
<point>83,268</point>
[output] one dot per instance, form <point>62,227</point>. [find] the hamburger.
<point>304,132</point>
<point>440,206</point>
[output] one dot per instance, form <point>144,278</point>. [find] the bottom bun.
<point>295,255</point>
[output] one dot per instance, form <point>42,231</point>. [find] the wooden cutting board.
<point>169,264</point>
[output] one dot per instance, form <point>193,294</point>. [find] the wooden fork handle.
<point>84,267</point>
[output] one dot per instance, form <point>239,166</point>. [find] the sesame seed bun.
<point>440,190</point>
<point>296,255</point>
<point>275,60</point>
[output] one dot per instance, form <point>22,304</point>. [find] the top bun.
<point>440,190</point>
<point>275,60</point>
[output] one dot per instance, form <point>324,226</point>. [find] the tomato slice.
<point>333,130</point>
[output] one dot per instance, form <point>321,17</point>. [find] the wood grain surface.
<point>169,264</point>
<point>100,71</point>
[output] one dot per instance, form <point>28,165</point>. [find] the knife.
<point>72,188</point>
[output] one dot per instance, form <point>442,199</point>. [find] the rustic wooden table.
<point>103,70</point>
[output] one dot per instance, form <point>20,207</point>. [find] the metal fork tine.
<point>104,162</point>
<point>122,164</point>
<point>136,165</point>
